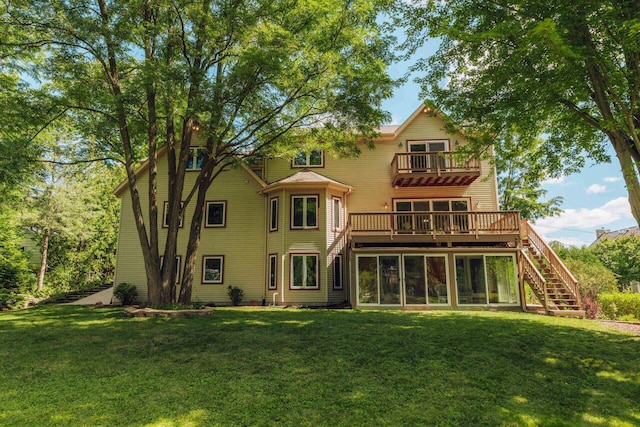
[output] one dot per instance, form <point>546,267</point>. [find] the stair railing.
<point>554,261</point>
<point>538,281</point>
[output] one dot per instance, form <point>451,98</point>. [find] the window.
<point>337,272</point>
<point>412,221</point>
<point>215,214</point>
<point>304,212</point>
<point>273,214</point>
<point>165,215</point>
<point>273,271</point>
<point>304,271</point>
<point>337,213</point>
<point>314,158</point>
<point>196,158</point>
<point>486,279</point>
<point>212,268</point>
<point>178,259</point>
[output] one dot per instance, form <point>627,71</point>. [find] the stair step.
<point>567,313</point>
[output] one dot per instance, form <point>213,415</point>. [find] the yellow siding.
<point>242,241</point>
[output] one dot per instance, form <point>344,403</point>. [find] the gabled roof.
<point>607,234</point>
<point>306,179</point>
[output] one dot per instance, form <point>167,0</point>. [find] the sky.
<point>592,199</point>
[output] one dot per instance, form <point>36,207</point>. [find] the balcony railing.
<point>435,223</point>
<point>433,168</point>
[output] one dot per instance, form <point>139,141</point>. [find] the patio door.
<point>413,223</point>
<point>427,162</point>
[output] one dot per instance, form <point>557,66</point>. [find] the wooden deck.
<point>449,227</point>
<point>433,168</point>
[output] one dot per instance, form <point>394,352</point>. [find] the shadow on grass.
<point>69,366</point>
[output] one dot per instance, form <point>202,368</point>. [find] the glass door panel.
<point>414,280</point>
<point>422,222</point>
<point>437,160</point>
<point>418,161</point>
<point>460,220</point>
<point>441,220</point>
<point>437,280</point>
<point>478,286</point>
<point>389,277</point>
<point>501,279</point>
<point>368,280</point>
<point>403,223</point>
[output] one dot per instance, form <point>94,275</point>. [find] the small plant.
<point>126,293</point>
<point>198,305</point>
<point>235,294</point>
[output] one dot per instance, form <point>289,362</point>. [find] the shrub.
<point>11,300</point>
<point>620,305</point>
<point>126,293</point>
<point>235,294</point>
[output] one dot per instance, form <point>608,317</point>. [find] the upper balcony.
<point>433,168</point>
<point>444,227</point>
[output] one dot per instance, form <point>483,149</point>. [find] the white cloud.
<point>587,219</point>
<point>612,179</point>
<point>554,181</point>
<point>569,241</point>
<point>596,188</point>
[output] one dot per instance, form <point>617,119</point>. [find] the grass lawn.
<point>77,366</point>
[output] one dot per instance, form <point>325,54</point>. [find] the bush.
<point>11,300</point>
<point>620,305</point>
<point>126,293</point>
<point>235,294</point>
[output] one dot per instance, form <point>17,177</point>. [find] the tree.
<point>568,71</point>
<point>622,256</point>
<point>250,78</point>
<point>519,181</point>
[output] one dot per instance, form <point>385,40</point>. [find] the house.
<point>407,225</point>
<point>604,233</point>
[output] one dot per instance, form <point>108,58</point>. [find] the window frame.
<point>304,226</point>
<point>165,213</point>
<point>224,214</point>
<point>178,265</point>
<point>304,256</point>
<point>307,163</point>
<point>193,154</point>
<point>338,275</point>
<point>340,225</point>
<point>273,217</point>
<point>212,282</point>
<point>272,271</point>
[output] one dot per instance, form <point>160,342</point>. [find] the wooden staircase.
<point>549,279</point>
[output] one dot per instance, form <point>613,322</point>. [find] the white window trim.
<point>204,265</point>
<point>340,225</point>
<point>304,275</point>
<point>304,225</point>
<point>193,153</point>
<point>484,263</point>
<point>224,214</point>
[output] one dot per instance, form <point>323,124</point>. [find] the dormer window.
<point>313,159</point>
<point>196,158</point>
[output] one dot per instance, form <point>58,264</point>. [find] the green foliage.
<point>15,271</point>
<point>620,306</point>
<point>561,76</point>
<point>126,293</point>
<point>235,294</point>
<point>11,300</point>
<point>622,256</point>
<point>594,278</point>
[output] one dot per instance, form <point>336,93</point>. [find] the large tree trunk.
<point>43,262</point>
<point>630,171</point>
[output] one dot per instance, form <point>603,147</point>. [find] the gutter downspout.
<point>284,203</point>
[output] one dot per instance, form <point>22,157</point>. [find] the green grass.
<point>76,366</point>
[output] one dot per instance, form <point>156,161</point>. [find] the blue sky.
<point>594,198</point>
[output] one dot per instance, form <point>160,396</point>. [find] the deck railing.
<point>436,162</point>
<point>399,223</point>
<point>554,262</point>
<point>537,280</point>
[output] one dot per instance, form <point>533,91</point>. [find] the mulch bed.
<point>630,327</point>
<point>151,312</point>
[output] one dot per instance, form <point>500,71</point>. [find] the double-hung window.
<point>273,271</point>
<point>196,158</point>
<point>304,212</point>
<point>304,271</point>
<point>165,215</point>
<point>273,214</point>
<point>212,268</point>
<point>313,158</point>
<point>216,214</point>
<point>178,259</point>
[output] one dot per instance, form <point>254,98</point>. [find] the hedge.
<point>620,306</point>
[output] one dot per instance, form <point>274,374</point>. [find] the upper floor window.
<point>337,213</point>
<point>313,158</point>
<point>304,211</point>
<point>165,215</point>
<point>196,158</point>
<point>273,214</point>
<point>216,215</point>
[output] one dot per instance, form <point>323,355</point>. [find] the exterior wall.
<point>245,227</point>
